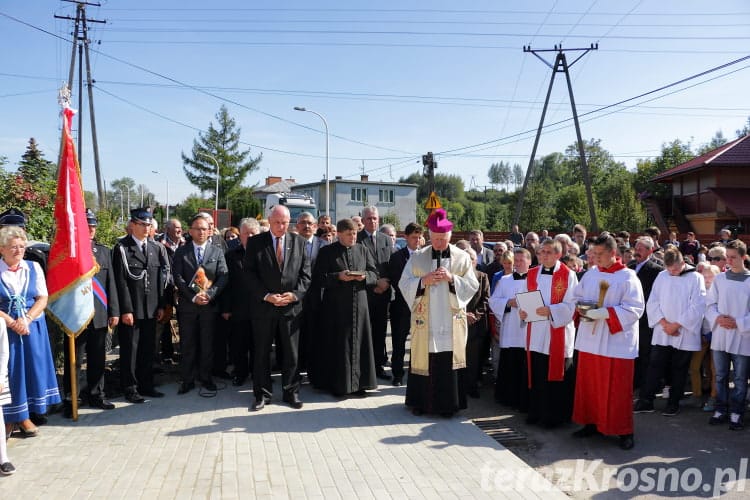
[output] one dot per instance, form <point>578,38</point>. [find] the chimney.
<point>272,179</point>
<point>364,177</point>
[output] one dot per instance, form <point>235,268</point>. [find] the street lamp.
<point>159,173</point>
<point>325,124</point>
<point>213,158</point>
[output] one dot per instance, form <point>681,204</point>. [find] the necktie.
<point>143,248</point>
<point>200,256</point>
<point>308,248</point>
<point>279,253</point>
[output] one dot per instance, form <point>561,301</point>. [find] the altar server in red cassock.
<point>607,344</point>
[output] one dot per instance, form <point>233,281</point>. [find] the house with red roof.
<point>710,191</point>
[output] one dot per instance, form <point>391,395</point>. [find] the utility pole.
<point>560,66</point>
<point>82,44</point>
<point>428,171</point>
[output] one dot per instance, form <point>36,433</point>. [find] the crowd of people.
<point>568,328</point>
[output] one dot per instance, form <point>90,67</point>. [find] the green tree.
<point>518,175</point>
<point>33,166</point>
<point>716,141</point>
<point>192,205</point>
<point>243,204</point>
<point>34,196</point>
<point>500,174</point>
<point>447,186</point>
<point>223,144</point>
<point>672,154</point>
<point>745,130</point>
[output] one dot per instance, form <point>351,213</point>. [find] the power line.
<point>205,92</point>
<point>443,11</point>
<point>258,146</point>
<point>387,97</point>
<point>556,36</point>
<point>618,103</point>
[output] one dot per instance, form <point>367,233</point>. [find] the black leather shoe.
<point>186,387</point>
<point>221,374</point>
<point>238,381</point>
<point>209,385</point>
<point>152,393</point>
<point>380,373</point>
<point>67,409</point>
<point>38,418</point>
<point>134,397</point>
<point>626,441</point>
<point>100,403</point>
<point>586,431</point>
<point>259,404</point>
<point>398,381</point>
<point>293,400</point>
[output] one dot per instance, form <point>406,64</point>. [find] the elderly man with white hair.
<point>438,282</point>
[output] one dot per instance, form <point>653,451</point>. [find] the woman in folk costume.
<point>438,282</point>
<point>607,344</point>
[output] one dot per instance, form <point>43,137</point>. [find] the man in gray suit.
<point>200,274</point>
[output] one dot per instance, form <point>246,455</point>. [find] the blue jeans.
<point>734,401</point>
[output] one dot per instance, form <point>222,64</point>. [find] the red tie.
<point>279,253</point>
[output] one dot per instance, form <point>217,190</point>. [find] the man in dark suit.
<point>93,338</point>
<point>172,239</point>
<point>142,273</point>
<point>400,310</point>
<point>278,276</point>
<point>306,227</point>
<point>647,268</point>
<point>200,274</point>
<point>378,295</point>
<point>234,307</point>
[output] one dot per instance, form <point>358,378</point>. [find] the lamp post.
<point>166,217</point>
<point>213,158</point>
<point>325,124</point>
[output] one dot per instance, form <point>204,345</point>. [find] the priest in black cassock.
<point>344,346</point>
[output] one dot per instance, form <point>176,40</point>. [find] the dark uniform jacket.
<point>104,282</point>
<point>141,279</point>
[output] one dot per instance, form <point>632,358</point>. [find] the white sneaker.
<point>665,392</point>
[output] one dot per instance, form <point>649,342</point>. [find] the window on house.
<point>359,194</point>
<point>386,196</point>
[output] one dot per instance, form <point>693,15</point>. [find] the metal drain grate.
<point>495,428</point>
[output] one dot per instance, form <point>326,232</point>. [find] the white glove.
<point>601,313</point>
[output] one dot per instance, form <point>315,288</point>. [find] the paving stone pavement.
<point>194,447</point>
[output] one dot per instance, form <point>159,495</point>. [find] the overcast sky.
<point>394,79</point>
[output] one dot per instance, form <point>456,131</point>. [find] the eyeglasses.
<point>715,259</point>
<point>17,247</point>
